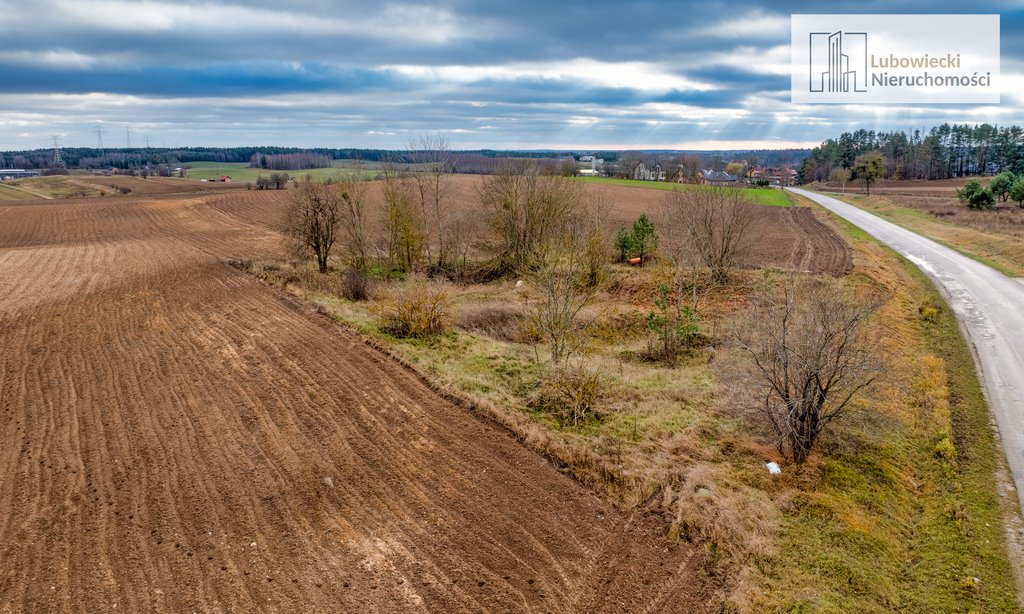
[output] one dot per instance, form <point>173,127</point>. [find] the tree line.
<point>943,152</point>
<point>479,160</point>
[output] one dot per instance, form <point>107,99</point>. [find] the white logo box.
<point>903,59</point>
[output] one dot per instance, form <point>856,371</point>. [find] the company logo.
<point>912,59</point>
<point>838,61</point>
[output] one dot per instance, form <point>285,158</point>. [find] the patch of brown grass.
<point>502,321</point>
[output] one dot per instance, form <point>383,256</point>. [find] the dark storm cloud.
<point>533,72</point>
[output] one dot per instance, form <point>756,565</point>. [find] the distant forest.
<point>292,158</point>
<point>949,150</point>
<point>122,158</point>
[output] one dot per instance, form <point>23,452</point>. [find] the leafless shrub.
<point>418,308</point>
<point>593,220</point>
<point>571,392</point>
<point>280,180</point>
<point>812,353</point>
<point>312,219</point>
<point>355,284</point>
<point>713,224</point>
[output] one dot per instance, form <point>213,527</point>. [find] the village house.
<point>719,177</point>
<point>642,172</point>
<point>774,176</point>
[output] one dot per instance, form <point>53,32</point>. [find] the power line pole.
<point>58,161</point>
<point>128,136</point>
<point>99,137</point>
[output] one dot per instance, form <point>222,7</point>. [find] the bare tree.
<point>560,275</point>
<point>466,228</point>
<point>689,169</point>
<point>280,180</point>
<point>435,165</point>
<point>691,279</point>
<point>812,354</point>
<point>525,209</point>
<point>404,221</point>
<point>354,214</point>
<point>717,222</point>
<point>841,176</point>
<point>312,220</point>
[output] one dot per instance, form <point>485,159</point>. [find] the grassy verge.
<point>902,512</point>
<point>1001,252</point>
<point>763,196</point>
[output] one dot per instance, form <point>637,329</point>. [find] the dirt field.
<point>938,200</point>
<point>158,185</point>
<point>788,238</point>
<point>178,437</point>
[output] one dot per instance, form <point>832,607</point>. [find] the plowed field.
<point>176,436</point>
<point>786,237</point>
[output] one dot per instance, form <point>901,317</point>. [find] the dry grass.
<point>994,237</point>
<point>863,527</point>
<point>61,186</point>
<point>572,393</point>
<point>499,321</point>
<point>418,308</point>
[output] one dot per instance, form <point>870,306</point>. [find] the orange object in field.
<point>634,262</point>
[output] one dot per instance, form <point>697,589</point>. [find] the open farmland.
<point>9,191</point>
<point>242,172</point>
<point>761,196</point>
<point>790,238</point>
<point>882,519</point>
<point>178,436</point>
<point>994,237</point>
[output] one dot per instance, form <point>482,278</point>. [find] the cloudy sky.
<point>521,74</point>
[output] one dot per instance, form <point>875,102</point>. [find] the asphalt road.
<point>990,307</point>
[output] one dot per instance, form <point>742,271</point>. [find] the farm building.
<point>17,173</point>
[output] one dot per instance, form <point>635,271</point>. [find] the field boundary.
<point>770,197</point>
<point>966,388</point>
<point>537,440</point>
<point>1002,268</point>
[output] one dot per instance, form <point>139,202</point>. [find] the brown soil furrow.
<point>161,412</point>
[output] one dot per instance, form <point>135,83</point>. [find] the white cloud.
<point>752,24</point>
<point>393,21</point>
<point>774,60</point>
<point>643,76</point>
<point>51,58</point>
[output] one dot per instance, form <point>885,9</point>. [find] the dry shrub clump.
<point>734,520</point>
<point>499,321</point>
<point>355,285</point>
<point>419,308</point>
<point>571,392</point>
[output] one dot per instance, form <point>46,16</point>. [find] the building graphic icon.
<point>838,62</point>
